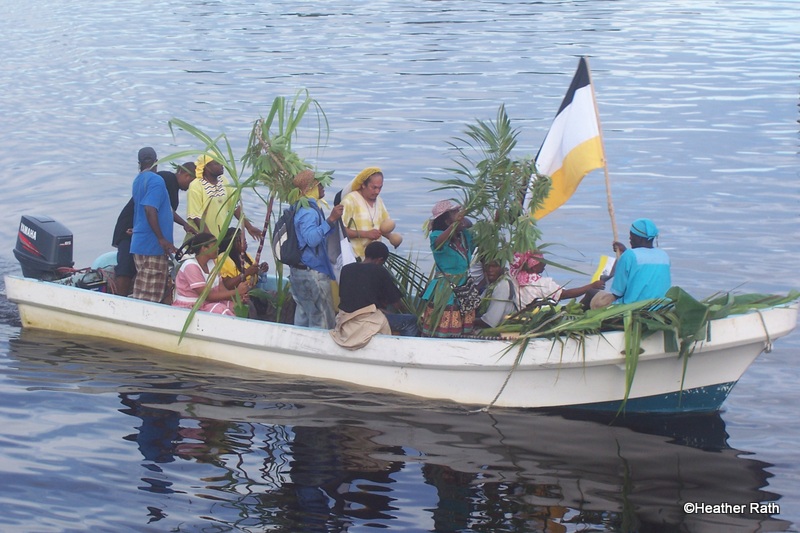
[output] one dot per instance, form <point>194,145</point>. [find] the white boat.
<point>468,371</point>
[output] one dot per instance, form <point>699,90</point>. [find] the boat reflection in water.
<point>222,445</point>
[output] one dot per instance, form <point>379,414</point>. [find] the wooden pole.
<point>264,235</point>
<point>605,160</point>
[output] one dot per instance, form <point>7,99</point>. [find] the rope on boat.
<point>502,388</point>
<point>768,346</point>
<point>508,377</point>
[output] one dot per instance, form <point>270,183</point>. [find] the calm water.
<point>699,109</point>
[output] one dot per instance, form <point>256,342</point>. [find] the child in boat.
<point>239,265</point>
<point>499,297</point>
<point>194,274</point>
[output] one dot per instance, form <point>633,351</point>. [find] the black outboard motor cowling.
<point>43,246</point>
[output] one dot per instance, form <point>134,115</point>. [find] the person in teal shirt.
<point>641,272</point>
<point>452,247</point>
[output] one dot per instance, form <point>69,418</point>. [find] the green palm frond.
<point>682,319</point>
<point>491,184</point>
<point>270,154</point>
<point>410,280</point>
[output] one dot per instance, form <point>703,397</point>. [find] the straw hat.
<point>442,207</point>
<point>305,180</point>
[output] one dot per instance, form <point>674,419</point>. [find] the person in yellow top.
<point>239,265</point>
<point>365,217</point>
<point>209,200</point>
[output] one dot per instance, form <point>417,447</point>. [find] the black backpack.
<point>285,247</point>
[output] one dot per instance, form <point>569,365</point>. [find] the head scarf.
<point>363,176</point>
<point>644,227</point>
<point>200,165</point>
<point>521,265</point>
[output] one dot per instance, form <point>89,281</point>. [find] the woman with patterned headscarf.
<point>209,200</point>
<point>535,289</point>
<point>365,217</point>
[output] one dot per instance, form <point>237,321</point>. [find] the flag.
<point>573,146</point>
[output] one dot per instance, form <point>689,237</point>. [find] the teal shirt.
<point>641,274</point>
<point>450,261</point>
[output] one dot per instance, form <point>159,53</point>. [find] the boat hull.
<point>467,371</point>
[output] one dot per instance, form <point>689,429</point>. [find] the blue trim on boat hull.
<point>699,400</point>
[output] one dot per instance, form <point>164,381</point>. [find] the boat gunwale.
<point>559,352</point>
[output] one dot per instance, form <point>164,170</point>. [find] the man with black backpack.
<point>311,278</point>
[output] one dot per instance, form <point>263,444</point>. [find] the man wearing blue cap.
<point>641,272</point>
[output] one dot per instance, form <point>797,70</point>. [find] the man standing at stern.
<point>151,242</point>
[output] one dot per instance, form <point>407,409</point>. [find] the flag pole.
<point>605,160</point>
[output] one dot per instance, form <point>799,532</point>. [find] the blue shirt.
<point>149,190</point>
<point>312,231</point>
<point>641,274</point>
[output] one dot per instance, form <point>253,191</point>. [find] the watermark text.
<point>731,508</point>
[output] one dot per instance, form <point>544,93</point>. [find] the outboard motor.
<point>43,246</point>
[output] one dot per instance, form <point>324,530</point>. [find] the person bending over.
<point>366,292</point>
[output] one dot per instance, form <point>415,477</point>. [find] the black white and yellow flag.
<point>573,147</point>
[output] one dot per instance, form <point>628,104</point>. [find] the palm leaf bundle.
<point>269,152</point>
<point>491,184</point>
<point>410,280</point>
<point>271,158</point>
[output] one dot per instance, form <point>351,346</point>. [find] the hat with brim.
<point>442,207</point>
<point>645,228</point>
<point>305,180</point>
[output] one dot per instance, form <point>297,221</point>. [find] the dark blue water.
<point>699,110</point>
